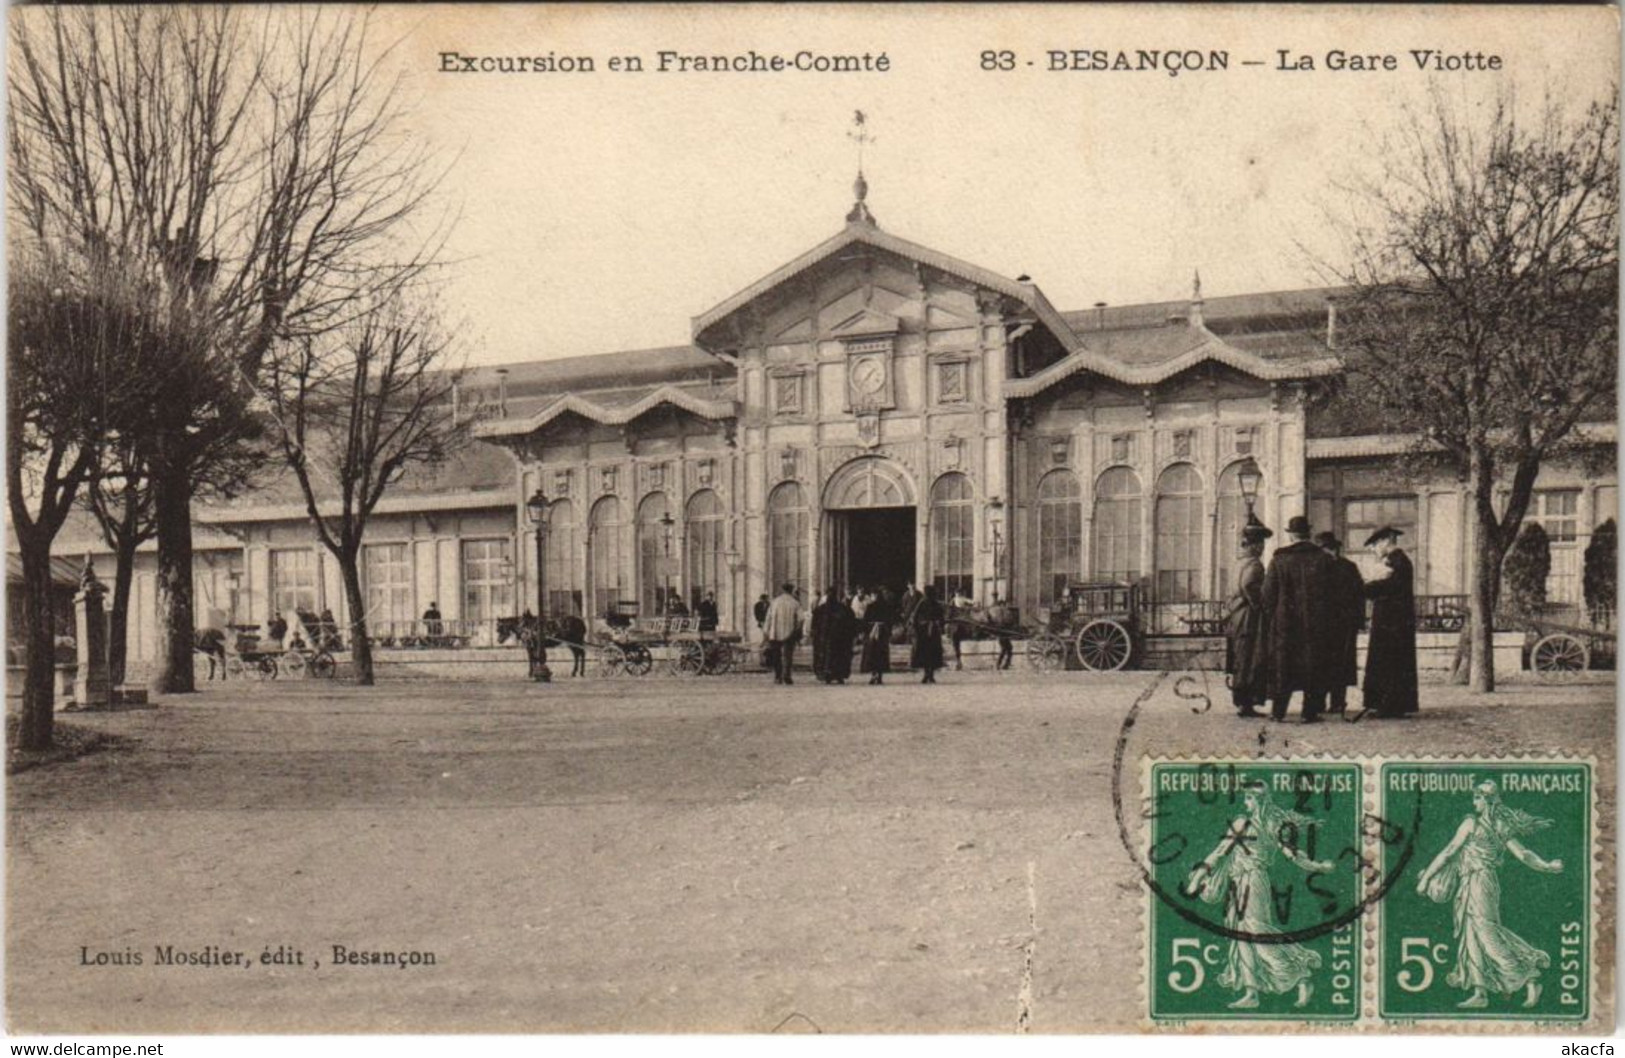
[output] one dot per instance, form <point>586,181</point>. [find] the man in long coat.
<point>877,621</point>
<point>783,630</point>
<point>820,636</point>
<point>929,621</point>
<point>841,629</point>
<point>1390,661</point>
<point>1345,615</point>
<point>1245,655</point>
<point>1295,626</point>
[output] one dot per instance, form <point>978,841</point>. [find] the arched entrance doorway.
<point>869,525</point>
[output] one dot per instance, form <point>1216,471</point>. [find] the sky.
<point>602,211</point>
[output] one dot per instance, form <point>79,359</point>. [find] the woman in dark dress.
<point>820,636</point>
<point>1244,624</point>
<point>1390,661</point>
<point>877,621</point>
<point>929,619</point>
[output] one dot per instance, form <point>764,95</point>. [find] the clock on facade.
<point>868,377</point>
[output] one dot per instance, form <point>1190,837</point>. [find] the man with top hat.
<point>1345,618</point>
<point>1390,661</point>
<point>1295,629</point>
<point>1244,655</point>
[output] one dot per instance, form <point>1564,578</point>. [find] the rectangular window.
<point>387,572</point>
<point>787,395</point>
<point>1367,514</point>
<point>1558,512</point>
<point>293,581</point>
<point>487,583</point>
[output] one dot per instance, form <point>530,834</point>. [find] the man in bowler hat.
<point>1390,662</point>
<point>1345,616</point>
<point>1295,626</point>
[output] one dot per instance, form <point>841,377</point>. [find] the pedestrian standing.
<point>929,618</point>
<point>706,611</point>
<point>1390,661</point>
<point>1245,656</point>
<point>821,637</point>
<point>1345,618</point>
<point>783,631</point>
<point>842,628</point>
<point>1295,588</point>
<point>877,621</point>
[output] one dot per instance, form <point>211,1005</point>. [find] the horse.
<point>211,643</point>
<point>571,631</point>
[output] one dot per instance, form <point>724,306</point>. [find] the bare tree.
<point>71,337</point>
<point>354,411</point>
<point>1481,310</point>
<point>257,158</point>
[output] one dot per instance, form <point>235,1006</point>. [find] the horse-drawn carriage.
<point>1561,650</point>
<point>630,645</point>
<point>241,651</point>
<point>1100,624</point>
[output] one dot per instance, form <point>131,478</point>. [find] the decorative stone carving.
<point>869,428</point>
<point>606,480</point>
<point>953,449</point>
<point>1058,450</point>
<point>705,472</point>
<point>787,462</point>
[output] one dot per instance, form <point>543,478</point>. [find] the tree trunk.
<point>39,649</point>
<point>360,645</point>
<point>118,617</point>
<point>172,515</point>
<point>1486,589</point>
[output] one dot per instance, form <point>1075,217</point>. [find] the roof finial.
<point>1196,298</point>
<point>1196,285</point>
<point>859,134</point>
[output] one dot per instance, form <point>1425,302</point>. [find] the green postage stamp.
<point>1490,916</point>
<point>1257,874</point>
<point>1373,891</point>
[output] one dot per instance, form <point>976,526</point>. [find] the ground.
<point>656,854</point>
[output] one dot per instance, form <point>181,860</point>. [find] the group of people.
<point>841,624</point>
<point>1295,627</point>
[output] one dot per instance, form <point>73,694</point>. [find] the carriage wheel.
<point>1104,645</point>
<point>687,659</point>
<point>234,667</point>
<point>614,660</point>
<point>638,659</point>
<point>1558,657</point>
<point>294,663</point>
<point>263,668</point>
<point>1046,652</point>
<point>323,666</point>
<point>722,659</point>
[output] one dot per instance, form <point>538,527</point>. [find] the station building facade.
<point>877,412</point>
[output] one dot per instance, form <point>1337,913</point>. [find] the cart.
<point>1100,624</point>
<point>1563,650</point>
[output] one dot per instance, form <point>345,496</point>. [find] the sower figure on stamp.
<point>1489,957</point>
<point>1345,617</point>
<point>1237,874</point>
<point>1295,628</point>
<point>1245,657</point>
<point>1390,662</point>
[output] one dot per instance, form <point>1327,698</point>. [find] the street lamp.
<point>1249,476</point>
<point>995,506</point>
<point>666,523</point>
<point>536,510</point>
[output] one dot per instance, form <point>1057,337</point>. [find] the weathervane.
<point>859,134</point>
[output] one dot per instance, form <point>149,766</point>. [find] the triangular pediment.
<point>866,324</point>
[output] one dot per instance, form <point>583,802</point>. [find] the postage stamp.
<point>1492,917</point>
<point>1256,877</point>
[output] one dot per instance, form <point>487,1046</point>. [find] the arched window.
<point>953,536</point>
<point>704,526</point>
<point>1232,515</point>
<point>787,538</point>
<point>605,556</point>
<point>1060,535</point>
<point>1179,534</point>
<point>655,546</point>
<point>559,570</point>
<point>1115,554</point>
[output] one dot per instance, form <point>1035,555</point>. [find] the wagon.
<point>1099,623</point>
<point>1564,650</point>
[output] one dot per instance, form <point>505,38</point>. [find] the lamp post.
<point>1249,477</point>
<point>536,511</point>
<point>666,523</point>
<point>995,507</point>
